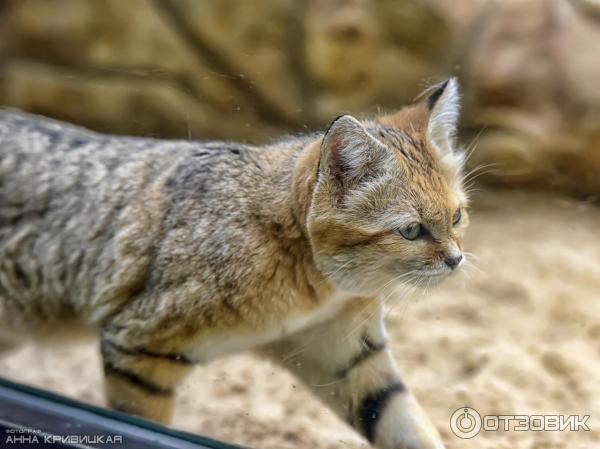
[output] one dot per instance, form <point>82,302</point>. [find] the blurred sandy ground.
<point>521,336</point>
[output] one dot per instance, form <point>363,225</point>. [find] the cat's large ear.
<point>443,103</point>
<point>350,154</point>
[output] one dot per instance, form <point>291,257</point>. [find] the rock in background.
<point>254,69</point>
<point>532,79</point>
<point>234,69</point>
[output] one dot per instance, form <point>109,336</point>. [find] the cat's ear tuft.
<point>443,102</point>
<point>349,153</point>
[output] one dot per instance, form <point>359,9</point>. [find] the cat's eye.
<point>457,216</point>
<point>411,231</point>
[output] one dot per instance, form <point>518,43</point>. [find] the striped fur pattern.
<point>180,252</point>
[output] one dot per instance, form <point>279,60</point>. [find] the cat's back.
<point>86,218</point>
<point>55,167</point>
<point>47,151</point>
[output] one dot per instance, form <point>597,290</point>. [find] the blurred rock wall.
<point>531,70</point>
<point>238,69</point>
<point>253,69</point>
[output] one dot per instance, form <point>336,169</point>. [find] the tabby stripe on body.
<point>369,349</point>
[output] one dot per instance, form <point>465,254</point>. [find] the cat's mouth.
<point>428,279</point>
<point>431,276</point>
<point>424,275</point>
<point>435,272</point>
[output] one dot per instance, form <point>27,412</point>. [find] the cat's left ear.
<point>443,103</point>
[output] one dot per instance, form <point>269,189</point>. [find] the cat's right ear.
<point>443,104</point>
<point>350,154</point>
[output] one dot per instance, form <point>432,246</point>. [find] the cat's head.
<point>389,204</point>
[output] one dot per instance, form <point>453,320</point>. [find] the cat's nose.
<point>453,260</point>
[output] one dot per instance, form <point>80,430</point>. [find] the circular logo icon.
<point>465,422</point>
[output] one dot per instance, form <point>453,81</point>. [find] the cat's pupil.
<point>457,216</point>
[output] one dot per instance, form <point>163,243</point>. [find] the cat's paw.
<point>405,426</point>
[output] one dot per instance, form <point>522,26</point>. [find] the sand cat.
<point>179,252</point>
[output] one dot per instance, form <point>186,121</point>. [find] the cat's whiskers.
<point>363,319</point>
<point>479,171</point>
<point>473,145</point>
<point>418,282</point>
<point>469,264</point>
<point>480,167</point>
<point>337,270</point>
<point>328,384</point>
<point>391,283</point>
<point>469,255</point>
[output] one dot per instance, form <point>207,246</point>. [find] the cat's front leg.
<point>403,425</point>
<point>347,363</point>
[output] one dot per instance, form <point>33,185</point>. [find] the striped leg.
<point>140,381</point>
<point>345,361</point>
